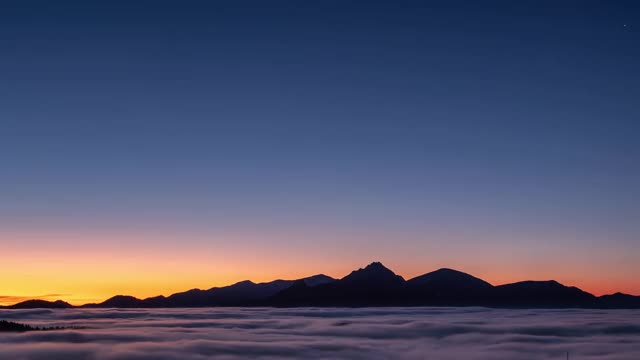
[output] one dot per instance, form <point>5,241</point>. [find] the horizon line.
<point>44,297</point>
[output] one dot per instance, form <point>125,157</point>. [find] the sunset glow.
<point>149,148</point>
<point>149,265</point>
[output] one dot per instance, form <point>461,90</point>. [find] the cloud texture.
<point>378,333</point>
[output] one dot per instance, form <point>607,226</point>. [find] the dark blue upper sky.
<point>512,119</point>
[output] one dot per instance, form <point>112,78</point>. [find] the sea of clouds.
<point>313,333</point>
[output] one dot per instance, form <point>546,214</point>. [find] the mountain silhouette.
<point>318,280</point>
<point>120,301</point>
<point>373,285</point>
<point>243,293</point>
<point>540,294</point>
<point>619,301</point>
<point>31,304</point>
<point>373,275</point>
<point>448,287</point>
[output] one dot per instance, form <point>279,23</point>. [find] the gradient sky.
<point>148,147</point>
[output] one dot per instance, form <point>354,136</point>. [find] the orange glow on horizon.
<point>67,268</point>
<point>79,287</point>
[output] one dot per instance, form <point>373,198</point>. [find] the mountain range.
<point>373,285</point>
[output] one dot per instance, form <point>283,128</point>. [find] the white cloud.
<point>373,333</point>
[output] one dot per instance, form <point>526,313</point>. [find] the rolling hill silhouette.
<point>373,285</point>
<point>244,293</point>
<point>32,304</point>
<point>540,293</point>
<point>448,287</point>
<point>619,301</point>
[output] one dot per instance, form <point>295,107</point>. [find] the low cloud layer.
<point>380,333</point>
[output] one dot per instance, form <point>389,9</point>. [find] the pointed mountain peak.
<point>376,265</point>
<point>374,272</point>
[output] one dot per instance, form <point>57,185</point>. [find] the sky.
<point>151,147</point>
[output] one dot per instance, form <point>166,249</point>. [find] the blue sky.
<point>503,126</point>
